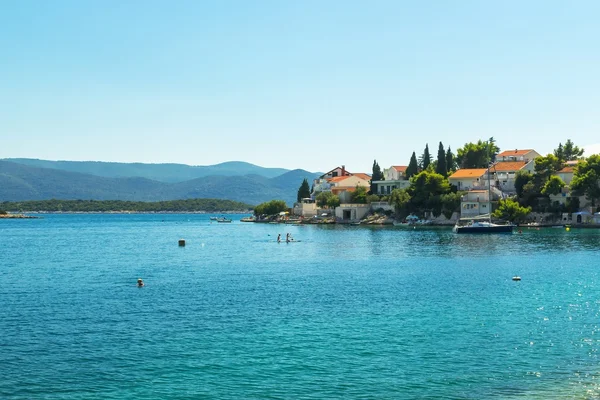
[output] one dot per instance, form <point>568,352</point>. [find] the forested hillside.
<point>20,182</point>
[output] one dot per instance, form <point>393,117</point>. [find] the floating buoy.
<point>181,242</point>
<point>567,229</point>
<point>516,278</point>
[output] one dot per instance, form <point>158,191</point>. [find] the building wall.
<point>351,212</point>
<point>469,183</point>
<point>386,187</point>
<point>392,174</point>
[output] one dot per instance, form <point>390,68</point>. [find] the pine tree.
<point>425,158</point>
<point>303,191</point>
<point>376,176</point>
<point>440,168</point>
<point>413,167</point>
<point>450,161</point>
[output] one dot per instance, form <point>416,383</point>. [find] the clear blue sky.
<point>294,84</point>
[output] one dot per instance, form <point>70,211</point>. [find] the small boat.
<point>248,219</point>
<point>213,218</point>
<point>223,219</point>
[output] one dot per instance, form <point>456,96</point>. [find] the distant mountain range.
<point>30,179</point>
<point>157,172</point>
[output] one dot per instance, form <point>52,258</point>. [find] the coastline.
<point>17,216</point>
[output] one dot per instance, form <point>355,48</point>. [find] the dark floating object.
<point>181,242</point>
<point>516,278</point>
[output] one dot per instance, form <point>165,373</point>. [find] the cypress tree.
<point>440,168</point>
<point>376,176</point>
<point>413,167</point>
<point>304,190</point>
<point>449,161</point>
<point>425,158</point>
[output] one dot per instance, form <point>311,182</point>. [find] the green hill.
<point>19,182</point>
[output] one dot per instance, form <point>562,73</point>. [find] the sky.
<point>305,84</point>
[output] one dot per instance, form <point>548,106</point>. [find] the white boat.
<point>480,224</point>
<point>223,219</point>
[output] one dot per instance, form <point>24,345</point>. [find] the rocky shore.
<point>17,216</point>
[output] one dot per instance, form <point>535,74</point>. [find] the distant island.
<point>188,205</point>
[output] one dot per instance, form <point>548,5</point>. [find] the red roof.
<point>364,176</point>
<point>509,165</point>
<point>508,153</point>
<point>566,170</point>
<point>338,178</point>
<point>468,173</point>
<point>400,168</point>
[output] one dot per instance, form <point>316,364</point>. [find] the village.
<point>529,190</point>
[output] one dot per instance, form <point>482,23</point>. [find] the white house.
<point>505,173</point>
<point>518,155</point>
<point>474,203</point>
<point>469,178</point>
<point>394,177</point>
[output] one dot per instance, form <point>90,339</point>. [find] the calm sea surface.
<point>347,312</point>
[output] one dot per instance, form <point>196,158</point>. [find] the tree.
<point>413,167</point>
<point>553,185</point>
<point>425,158</point>
<point>586,178</point>
<point>372,198</point>
<point>477,155</point>
<point>568,152</point>
<point>376,176</point>
<point>359,195</point>
<point>510,210</point>
<point>441,167</point>
<point>333,201</point>
<point>545,167</point>
<point>426,189</point>
<point>270,207</point>
<point>304,190</point>
<point>450,203</point>
<point>401,201</point>
<point>522,178</point>
<point>450,163</point>
<point>324,198</point>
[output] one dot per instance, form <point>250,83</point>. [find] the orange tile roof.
<point>509,165</point>
<point>364,176</point>
<point>338,178</point>
<point>468,173</point>
<point>400,168</point>
<point>566,170</point>
<point>515,152</point>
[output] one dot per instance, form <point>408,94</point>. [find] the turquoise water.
<point>348,312</point>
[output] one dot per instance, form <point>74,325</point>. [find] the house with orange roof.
<point>394,177</point>
<point>469,179</point>
<point>340,181</point>
<point>343,186</point>
<point>505,172</point>
<point>321,184</point>
<point>526,155</point>
<point>566,174</point>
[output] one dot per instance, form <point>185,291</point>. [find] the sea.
<point>341,312</point>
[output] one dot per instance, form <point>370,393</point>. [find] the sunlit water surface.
<point>345,312</point>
